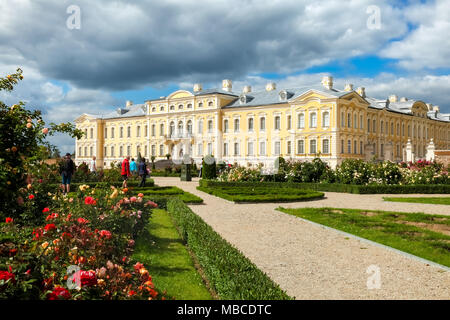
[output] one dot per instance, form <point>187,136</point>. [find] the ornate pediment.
<point>312,95</point>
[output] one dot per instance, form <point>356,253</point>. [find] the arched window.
<point>161,129</point>
<point>200,104</point>
<point>210,126</point>
<point>154,109</point>
<point>312,146</point>
<point>161,108</point>
<point>180,128</point>
<point>250,124</point>
<point>172,129</point>
<point>313,120</point>
<point>180,107</point>
<point>138,131</point>
<point>106,133</point>
<point>210,104</point>
<point>349,120</point>
<point>326,119</point>
<point>200,126</point>
<point>153,130</point>
<point>325,146</point>
<point>85,133</point>
<point>289,123</point>
<point>112,133</point>
<point>301,121</point>
<point>172,107</point>
<point>189,127</point>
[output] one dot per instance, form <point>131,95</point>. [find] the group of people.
<point>132,168</point>
<point>67,170</point>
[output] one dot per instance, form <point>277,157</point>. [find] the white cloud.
<point>428,45</point>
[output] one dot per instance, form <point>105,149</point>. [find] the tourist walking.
<point>143,172</point>
<point>125,171</point>
<point>93,165</point>
<point>133,167</point>
<point>201,169</point>
<point>67,169</point>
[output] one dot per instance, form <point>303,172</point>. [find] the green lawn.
<point>426,236</point>
<point>262,194</point>
<point>431,200</point>
<point>169,262</point>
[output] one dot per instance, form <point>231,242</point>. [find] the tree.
<point>23,146</point>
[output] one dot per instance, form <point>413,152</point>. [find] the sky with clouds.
<point>140,50</point>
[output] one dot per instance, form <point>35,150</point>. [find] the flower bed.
<point>350,171</point>
<point>185,196</point>
<point>81,251</point>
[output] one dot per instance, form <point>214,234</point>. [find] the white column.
<point>218,138</point>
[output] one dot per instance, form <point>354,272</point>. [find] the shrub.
<point>230,273</point>
<point>209,168</point>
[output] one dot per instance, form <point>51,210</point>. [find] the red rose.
<point>5,275</point>
<point>45,210</point>
<point>9,220</point>
<point>31,197</point>
<point>105,234</point>
<point>88,278</point>
<point>82,221</point>
<point>50,227</point>
<point>59,293</point>
<point>89,200</point>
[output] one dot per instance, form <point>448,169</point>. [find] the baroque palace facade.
<point>249,127</point>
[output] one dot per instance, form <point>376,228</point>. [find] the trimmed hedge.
<point>336,187</point>
<point>264,194</point>
<point>130,183</point>
<point>187,197</point>
<point>230,273</point>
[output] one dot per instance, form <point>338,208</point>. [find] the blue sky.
<point>144,50</point>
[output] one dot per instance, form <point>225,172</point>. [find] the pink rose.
<point>45,130</point>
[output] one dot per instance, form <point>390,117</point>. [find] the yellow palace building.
<point>252,127</point>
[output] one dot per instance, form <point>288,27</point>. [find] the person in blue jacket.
<point>142,170</point>
<point>133,167</point>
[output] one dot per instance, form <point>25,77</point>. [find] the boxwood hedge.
<point>230,273</point>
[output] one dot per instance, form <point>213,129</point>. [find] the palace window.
<point>225,149</point>
<point>301,146</point>
<point>250,148</point>
<point>342,146</point>
<point>85,133</point>
<point>210,104</point>
<point>189,106</point>
<point>262,124</point>
<point>374,125</point>
<point>210,126</point>
<point>189,127</point>
<point>277,148</point>
<point>236,148</point>
<point>161,108</point>
<point>146,130</point>
<point>79,151</point>
<point>361,122</point>
<point>172,129</point>
<point>381,127</point>
<point>355,121</point>
<point>236,125</point>
<point>210,148</point>
<point>250,124</point>
<point>112,133</point>
<point>180,128</point>
<point>289,122</point>
<point>200,149</point>
<point>301,120</point>
<point>361,150</point>
<point>92,133</point>
<point>225,126</point>
<point>349,120</point>
<point>277,123</point>
<point>129,132</point>
<point>312,146</point>
<point>342,120</point>
<point>120,151</point>
<point>138,131</point>
<point>368,125</point>
<point>113,154</point>
<point>121,132</point>
<point>180,107</point>
<point>326,119</point>
<point>161,129</point>
<point>106,133</point>
<point>200,126</point>
<point>200,104</point>
<point>161,150</point>
<point>128,150</point>
<point>153,150</point>
<point>349,146</point>
<point>355,147</point>
<point>325,146</point>
<point>262,148</point>
<point>172,107</point>
<point>289,147</point>
<point>313,120</point>
<point>153,130</point>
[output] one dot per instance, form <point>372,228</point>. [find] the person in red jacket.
<point>125,171</point>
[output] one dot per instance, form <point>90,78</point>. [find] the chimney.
<point>327,82</point>
<point>227,85</point>
<point>247,89</point>
<point>393,98</point>
<point>128,103</point>
<point>271,86</point>
<point>348,87</point>
<point>403,99</point>
<point>197,87</point>
<point>361,91</point>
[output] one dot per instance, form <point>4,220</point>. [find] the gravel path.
<point>313,262</point>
